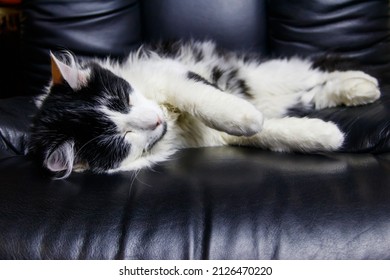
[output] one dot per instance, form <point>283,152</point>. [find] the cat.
<point>106,116</point>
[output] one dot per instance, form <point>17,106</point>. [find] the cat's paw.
<point>349,88</point>
<point>238,121</point>
<point>356,88</point>
<point>325,136</point>
<point>301,134</point>
<point>246,124</point>
<point>359,89</point>
<point>292,134</point>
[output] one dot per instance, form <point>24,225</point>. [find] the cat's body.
<point>159,100</point>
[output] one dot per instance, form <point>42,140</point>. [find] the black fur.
<point>230,81</point>
<point>198,54</point>
<point>244,88</point>
<point>299,110</point>
<point>197,78</point>
<point>166,48</point>
<point>330,63</point>
<point>227,80</point>
<point>68,115</point>
<point>172,49</point>
<point>236,84</point>
<point>216,74</point>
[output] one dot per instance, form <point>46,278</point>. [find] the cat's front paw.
<point>245,122</point>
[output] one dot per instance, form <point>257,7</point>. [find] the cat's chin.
<point>146,161</point>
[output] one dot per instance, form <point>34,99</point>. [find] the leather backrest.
<point>233,24</point>
<point>352,28</point>
<point>88,28</point>
<point>355,29</point>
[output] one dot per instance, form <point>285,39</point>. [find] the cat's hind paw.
<point>359,90</point>
<point>349,88</point>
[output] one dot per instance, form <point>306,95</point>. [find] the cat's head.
<point>93,119</point>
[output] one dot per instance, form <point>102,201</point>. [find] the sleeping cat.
<point>107,116</point>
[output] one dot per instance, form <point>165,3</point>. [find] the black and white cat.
<point>108,117</point>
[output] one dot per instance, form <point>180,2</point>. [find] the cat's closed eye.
<point>118,104</point>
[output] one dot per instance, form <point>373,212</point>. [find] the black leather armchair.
<point>211,203</point>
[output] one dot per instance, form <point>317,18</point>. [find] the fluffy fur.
<point>108,117</point>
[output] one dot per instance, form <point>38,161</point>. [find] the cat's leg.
<point>217,109</point>
<point>186,91</point>
<point>349,88</point>
<point>281,85</point>
<point>294,134</point>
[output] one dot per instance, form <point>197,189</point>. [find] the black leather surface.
<point>9,51</point>
<point>212,203</point>
<point>216,203</point>
<point>15,118</point>
<point>233,24</point>
<point>349,28</point>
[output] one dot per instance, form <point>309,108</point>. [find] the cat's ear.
<point>61,72</point>
<point>60,160</point>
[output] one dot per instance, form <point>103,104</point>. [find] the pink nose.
<point>157,123</point>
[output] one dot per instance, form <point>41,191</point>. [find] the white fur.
<point>348,88</point>
<point>199,115</point>
<point>294,134</point>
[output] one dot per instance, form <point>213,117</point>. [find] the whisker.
<point>88,142</point>
<point>132,181</point>
<point>142,182</point>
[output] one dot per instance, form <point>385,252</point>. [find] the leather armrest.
<point>15,119</point>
